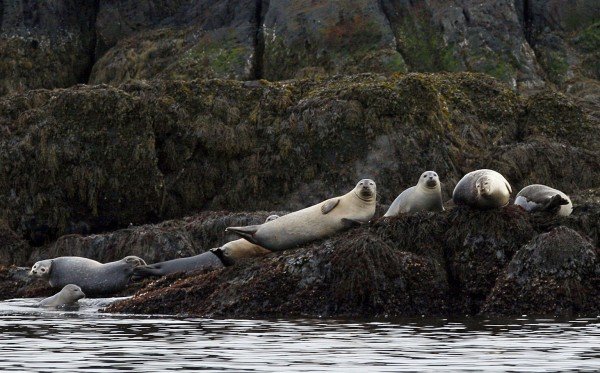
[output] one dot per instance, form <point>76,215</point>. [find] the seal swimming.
<point>542,198</point>
<point>68,296</point>
<point>482,189</point>
<point>215,258</point>
<point>315,222</point>
<point>93,277</point>
<point>425,196</point>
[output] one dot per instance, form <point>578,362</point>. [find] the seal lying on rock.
<point>542,198</point>
<point>215,258</point>
<point>68,296</point>
<point>482,189</point>
<point>93,277</point>
<point>233,251</point>
<point>315,222</point>
<point>425,196</point>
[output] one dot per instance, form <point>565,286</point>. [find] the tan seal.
<point>425,196</point>
<point>482,189</point>
<point>315,222</point>
<point>93,277</point>
<point>240,249</point>
<point>68,296</point>
<point>542,198</point>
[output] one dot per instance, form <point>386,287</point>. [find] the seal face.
<point>542,198</point>
<point>93,277</point>
<point>315,222</point>
<point>68,296</point>
<point>482,189</point>
<point>425,196</point>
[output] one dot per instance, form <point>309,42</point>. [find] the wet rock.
<point>556,273</point>
<point>353,274</point>
<point>479,244</point>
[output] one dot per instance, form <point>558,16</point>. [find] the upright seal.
<point>68,296</point>
<point>425,196</point>
<point>93,277</point>
<point>482,189</point>
<point>315,222</point>
<point>542,198</point>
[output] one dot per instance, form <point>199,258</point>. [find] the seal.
<point>542,198</point>
<point>93,277</point>
<point>315,222</point>
<point>482,189</point>
<point>425,196</point>
<point>236,250</point>
<point>68,296</point>
<point>206,260</point>
<point>215,258</point>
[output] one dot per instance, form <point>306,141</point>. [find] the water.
<point>33,339</point>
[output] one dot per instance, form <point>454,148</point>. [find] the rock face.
<point>557,273</point>
<point>89,159</point>
<point>527,44</point>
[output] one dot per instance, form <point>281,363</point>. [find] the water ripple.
<point>33,339</point>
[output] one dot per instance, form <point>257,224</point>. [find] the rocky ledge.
<point>502,262</point>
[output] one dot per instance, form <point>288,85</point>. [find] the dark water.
<point>36,340</point>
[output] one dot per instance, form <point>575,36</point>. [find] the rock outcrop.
<point>91,159</point>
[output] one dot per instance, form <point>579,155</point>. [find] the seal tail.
<point>244,232</point>
<point>141,272</point>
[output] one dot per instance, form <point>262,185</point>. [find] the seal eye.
<point>43,269</point>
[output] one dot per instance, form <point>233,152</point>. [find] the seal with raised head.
<point>93,277</point>
<point>315,222</point>
<point>482,189</point>
<point>68,296</point>
<point>542,198</point>
<point>425,196</point>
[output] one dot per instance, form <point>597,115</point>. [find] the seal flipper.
<point>349,223</point>
<point>245,232</point>
<point>142,272</point>
<point>329,205</point>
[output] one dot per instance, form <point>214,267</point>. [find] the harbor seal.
<point>68,296</point>
<point>542,198</point>
<point>315,222</point>
<point>93,277</point>
<point>482,189</point>
<point>215,258</point>
<point>425,196</point>
<point>206,260</point>
<point>233,251</point>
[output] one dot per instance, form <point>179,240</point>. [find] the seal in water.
<point>68,296</point>
<point>425,196</point>
<point>93,277</point>
<point>542,198</point>
<point>315,222</point>
<point>482,189</point>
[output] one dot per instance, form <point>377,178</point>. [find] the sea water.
<point>34,339</point>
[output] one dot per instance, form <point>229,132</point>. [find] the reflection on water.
<point>33,339</point>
